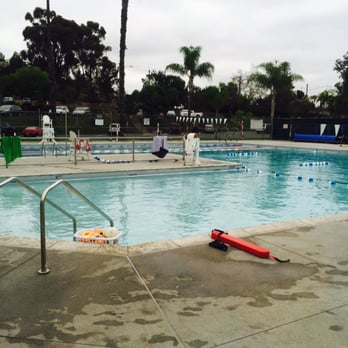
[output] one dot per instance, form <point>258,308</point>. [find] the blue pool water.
<point>270,186</point>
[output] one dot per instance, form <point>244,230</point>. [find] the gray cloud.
<point>234,34</point>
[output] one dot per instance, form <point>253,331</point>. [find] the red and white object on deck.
<point>223,237</point>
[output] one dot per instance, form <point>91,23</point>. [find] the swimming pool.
<point>271,185</point>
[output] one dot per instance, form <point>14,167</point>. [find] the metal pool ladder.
<point>43,199</point>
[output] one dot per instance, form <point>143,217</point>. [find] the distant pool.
<point>270,186</point>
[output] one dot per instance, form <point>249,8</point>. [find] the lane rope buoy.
<point>87,146</point>
<point>222,238</point>
<point>110,161</point>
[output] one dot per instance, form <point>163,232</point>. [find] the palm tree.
<point>327,99</point>
<point>50,59</point>
<point>277,77</point>
<point>121,89</point>
<point>191,68</point>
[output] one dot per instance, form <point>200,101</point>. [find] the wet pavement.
<point>176,293</point>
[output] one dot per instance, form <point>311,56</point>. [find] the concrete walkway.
<point>177,293</point>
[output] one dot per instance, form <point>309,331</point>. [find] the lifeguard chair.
<point>47,135</point>
<point>191,149</point>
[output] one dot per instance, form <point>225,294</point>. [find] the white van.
<point>7,100</point>
<point>184,112</point>
<point>209,128</point>
<point>62,109</point>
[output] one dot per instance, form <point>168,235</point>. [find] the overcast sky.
<point>235,35</point>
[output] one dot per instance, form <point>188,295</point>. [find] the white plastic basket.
<point>108,235</point>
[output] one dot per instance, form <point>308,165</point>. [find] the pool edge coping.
<point>164,245</point>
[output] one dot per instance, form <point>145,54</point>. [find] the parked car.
<point>209,128</point>
<point>264,130</point>
<point>7,130</point>
<point>113,127</point>
<point>62,109</point>
<point>32,132</point>
<point>82,110</point>
<point>184,112</point>
<point>7,100</point>
<point>26,101</point>
<point>10,109</point>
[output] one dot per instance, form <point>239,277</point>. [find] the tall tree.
<point>80,62</point>
<point>3,64</point>
<point>160,92</point>
<point>15,62</point>
<point>326,99</point>
<point>65,41</point>
<point>277,78</point>
<point>341,66</point>
<point>123,32</point>
<point>224,98</point>
<point>107,78</point>
<point>90,54</point>
<point>191,68</point>
<point>26,81</point>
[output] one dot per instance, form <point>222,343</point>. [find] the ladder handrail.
<point>30,189</point>
<point>44,269</point>
<point>43,199</point>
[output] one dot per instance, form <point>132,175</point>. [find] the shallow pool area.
<point>271,185</point>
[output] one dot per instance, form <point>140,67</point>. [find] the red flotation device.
<point>223,237</point>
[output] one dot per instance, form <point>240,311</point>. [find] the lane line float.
<point>110,161</point>
<point>221,237</point>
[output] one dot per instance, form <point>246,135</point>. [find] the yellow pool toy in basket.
<point>108,235</point>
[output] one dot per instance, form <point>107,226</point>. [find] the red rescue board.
<point>240,244</point>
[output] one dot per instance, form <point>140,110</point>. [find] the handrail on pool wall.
<point>30,189</point>
<point>43,199</point>
<point>44,269</point>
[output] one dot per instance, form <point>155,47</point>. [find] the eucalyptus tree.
<point>64,36</point>
<point>191,68</point>
<point>277,78</point>
<point>92,61</point>
<point>78,51</point>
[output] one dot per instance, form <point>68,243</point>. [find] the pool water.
<point>270,186</point>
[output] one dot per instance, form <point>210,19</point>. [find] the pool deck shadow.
<point>180,293</point>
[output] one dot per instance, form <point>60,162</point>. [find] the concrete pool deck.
<point>177,293</point>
